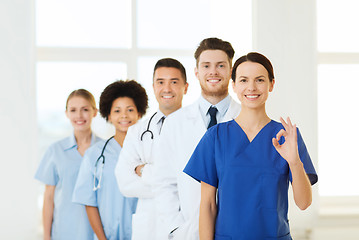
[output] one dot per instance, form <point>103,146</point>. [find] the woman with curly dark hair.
<point>122,103</point>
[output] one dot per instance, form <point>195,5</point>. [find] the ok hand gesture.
<point>289,149</point>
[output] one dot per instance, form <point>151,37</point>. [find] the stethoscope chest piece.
<point>148,128</point>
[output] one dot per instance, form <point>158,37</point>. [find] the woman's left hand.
<point>139,169</point>
<point>289,149</point>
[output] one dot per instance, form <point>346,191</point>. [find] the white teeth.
<point>213,80</point>
<point>252,96</point>
<point>167,97</point>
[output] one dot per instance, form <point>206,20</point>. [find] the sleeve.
<point>165,178</point>
<point>147,174</point>
<point>202,164</point>
<point>47,170</point>
<point>129,183</point>
<point>83,192</point>
<point>306,160</point>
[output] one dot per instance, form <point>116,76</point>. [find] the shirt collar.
<point>71,143</point>
<point>113,144</point>
<point>222,106</point>
<point>158,116</point>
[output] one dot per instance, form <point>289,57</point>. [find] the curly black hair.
<point>121,88</point>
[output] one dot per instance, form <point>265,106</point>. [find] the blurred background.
<point>50,47</point>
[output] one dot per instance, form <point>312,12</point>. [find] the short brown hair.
<point>84,94</point>
<point>214,44</point>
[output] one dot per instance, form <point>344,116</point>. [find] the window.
<point>338,80</point>
<point>83,23</point>
<point>337,114</point>
<point>56,80</point>
<point>89,44</point>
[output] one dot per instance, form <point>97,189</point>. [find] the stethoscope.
<point>103,156</point>
<point>101,169</point>
<point>148,128</point>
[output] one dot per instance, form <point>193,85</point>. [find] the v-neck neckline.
<point>256,136</point>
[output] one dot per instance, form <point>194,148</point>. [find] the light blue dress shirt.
<point>222,108</point>
<point>59,167</point>
<point>115,209</point>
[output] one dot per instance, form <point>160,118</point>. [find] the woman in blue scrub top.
<point>59,167</point>
<point>250,161</point>
<point>122,103</point>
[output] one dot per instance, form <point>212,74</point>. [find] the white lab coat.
<point>177,194</point>
<point>136,152</point>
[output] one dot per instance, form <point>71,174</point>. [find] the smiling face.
<point>252,85</point>
<point>80,112</point>
<point>123,114</point>
<point>169,88</point>
<point>213,72</point>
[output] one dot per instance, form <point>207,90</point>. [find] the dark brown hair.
<point>170,62</point>
<point>257,58</point>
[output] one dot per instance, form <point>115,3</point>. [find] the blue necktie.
<point>212,112</point>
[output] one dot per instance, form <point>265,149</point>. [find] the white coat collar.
<point>232,112</point>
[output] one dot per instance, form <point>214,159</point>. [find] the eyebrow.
<point>129,106</point>
<point>86,106</point>
<point>159,79</point>
<point>215,62</point>
<point>255,77</point>
<point>260,76</point>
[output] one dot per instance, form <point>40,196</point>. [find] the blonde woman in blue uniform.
<point>59,167</point>
<point>250,161</point>
<point>122,103</point>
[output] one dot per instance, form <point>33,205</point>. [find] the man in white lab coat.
<point>177,195</point>
<point>134,167</point>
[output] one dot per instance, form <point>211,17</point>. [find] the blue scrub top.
<point>59,167</point>
<point>252,180</point>
<point>115,209</point>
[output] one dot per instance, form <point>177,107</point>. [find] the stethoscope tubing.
<point>102,165</point>
<point>103,156</point>
<point>148,128</point>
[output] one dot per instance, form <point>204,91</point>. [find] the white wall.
<point>285,32</point>
<point>18,206</point>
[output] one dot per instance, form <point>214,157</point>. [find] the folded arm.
<point>129,182</point>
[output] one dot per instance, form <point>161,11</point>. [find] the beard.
<point>220,91</point>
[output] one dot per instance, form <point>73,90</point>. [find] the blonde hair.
<point>82,93</point>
